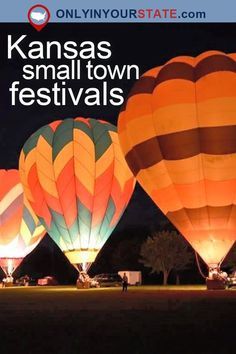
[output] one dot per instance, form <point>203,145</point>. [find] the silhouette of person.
<point>125,282</point>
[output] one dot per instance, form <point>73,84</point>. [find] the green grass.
<point>149,319</point>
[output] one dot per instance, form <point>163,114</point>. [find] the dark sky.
<point>146,45</point>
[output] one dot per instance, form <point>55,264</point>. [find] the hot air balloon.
<point>20,230</point>
<point>177,131</point>
<point>78,183</point>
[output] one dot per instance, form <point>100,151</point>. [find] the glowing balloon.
<point>78,183</point>
<point>20,230</point>
<point>178,133</point>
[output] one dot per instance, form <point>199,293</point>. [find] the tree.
<point>165,251</point>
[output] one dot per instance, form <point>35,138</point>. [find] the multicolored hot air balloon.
<point>78,183</point>
<point>20,230</point>
<point>178,133</point>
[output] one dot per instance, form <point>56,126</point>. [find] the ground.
<point>145,320</point>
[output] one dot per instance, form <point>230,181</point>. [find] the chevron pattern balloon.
<point>177,130</point>
<point>78,183</point>
<point>20,230</point>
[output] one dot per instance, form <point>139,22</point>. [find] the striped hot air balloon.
<point>20,230</point>
<point>78,183</point>
<point>178,133</point>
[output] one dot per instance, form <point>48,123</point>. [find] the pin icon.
<point>38,16</point>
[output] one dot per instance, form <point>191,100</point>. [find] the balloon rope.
<point>198,265</point>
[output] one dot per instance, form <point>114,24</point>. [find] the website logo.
<point>38,16</point>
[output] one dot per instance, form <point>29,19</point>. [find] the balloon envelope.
<point>177,130</point>
<point>20,230</point>
<point>78,183</point>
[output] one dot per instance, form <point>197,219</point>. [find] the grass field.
<point>145,320</point>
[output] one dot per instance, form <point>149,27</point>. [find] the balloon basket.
<point>215,284</point>
<point>83,281</point>
<point>9,285</point>
<point>80,285</point>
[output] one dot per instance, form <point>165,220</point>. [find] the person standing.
<point>125,282</point>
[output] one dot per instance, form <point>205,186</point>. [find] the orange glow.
<point>9,265</point>
<point>20,230</point>
<point>178,133</point>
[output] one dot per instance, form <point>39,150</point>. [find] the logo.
<point>38,16</point>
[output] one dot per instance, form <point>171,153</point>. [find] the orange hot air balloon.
<point>78,183</point>
<point>20,230</point>
<point>178,133</point>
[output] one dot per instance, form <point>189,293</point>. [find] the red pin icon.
<point>38,16</point>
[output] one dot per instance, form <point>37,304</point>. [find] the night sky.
<point>147,45</point>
